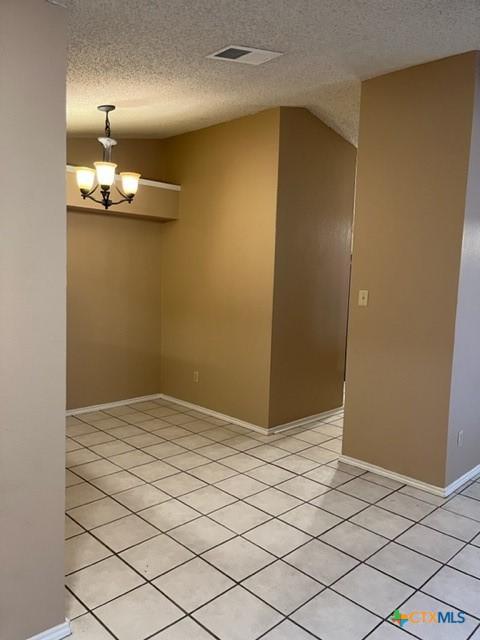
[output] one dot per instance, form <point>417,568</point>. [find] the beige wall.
<point>266,349</point>
<point>218,262</point>
<point>413,160</point>
<point>32,317</point>
<point>464,396</point>
<point>113,310</point>
<point>312,267</point>
<point>114,289</point>
<point>142,155</point>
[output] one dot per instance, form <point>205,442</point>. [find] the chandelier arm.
<point>87,195</point>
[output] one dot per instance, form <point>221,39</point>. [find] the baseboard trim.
<point>111,405</point>
<point>249,425</point>
<point>443,492</point>
<point>209,412</point>
<point>55,633</point>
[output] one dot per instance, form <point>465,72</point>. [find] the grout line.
<point>276,558</point>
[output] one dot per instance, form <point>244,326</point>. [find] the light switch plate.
<point>363,298</point>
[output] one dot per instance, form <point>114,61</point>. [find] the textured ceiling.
<point>148,57</point>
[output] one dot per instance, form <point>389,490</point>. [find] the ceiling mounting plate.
<point>106,108</point>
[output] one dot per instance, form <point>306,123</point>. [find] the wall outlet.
<point>196,376</point>
<point>363,298</point>
<point>460,438</point>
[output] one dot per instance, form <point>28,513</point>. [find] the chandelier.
<point>104,172</point>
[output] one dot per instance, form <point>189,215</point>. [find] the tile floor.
<point>182,527</point>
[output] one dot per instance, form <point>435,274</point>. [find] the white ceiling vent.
<point>246,55</point>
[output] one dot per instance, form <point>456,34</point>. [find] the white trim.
<point>209,412</point>
<point>149,183</point>
<point>111,405</point>
<point>249,425</point>
<point>55,633</point>
<point>453,486</point>
<point>443,492</point>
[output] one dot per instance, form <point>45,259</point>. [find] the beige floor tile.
<point>154,471</point>
<point>193,584</point>
<point>112,448</point>
<point>457,589</point>
<point>80,456</point>
<point>241,486</point>
<point>431,543</point>
<point>282,586</point>
<point>185,629</point>
<point>310,519</point>
<point>404,564</point>
<point>373,590</point>
<point>338,618</point>
<point>385,523</point>
<point>452,524</point>
<point>238,558</point>
<point>237,615</point>
<point>117,482</point>
<point>139,614</point>
<point>287,631</point>
<point>88,628</point>
<point>239,517</point>
<point>103,581</point>
<point>201,534</point>
<point>179,484</point>
<point>95,469</point>
<point>213,472</point>
<point>207,499</point>
<point>141,497</point>
<point>340,504</point>
<point>97,513</point>
<point>126,532</point>
<point>169,514</point>
<point>73,607</point>
<point>71,528</point>
<point>81,494</point>
<point>277,537</point>
<point>131,459</point>
<point>156,556</point>
<point>83,550</point>
<point>354,540</point>
<point>273,501</point>
<point>321,562</point>
<point>303,488</point>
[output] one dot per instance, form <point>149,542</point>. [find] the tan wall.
<point>312,267</point>
<point>144,156</point>
<point>32,317</point>
<point>113,310</point>
<point>464,397</point>
<point>413,159</point>
<point>114,288</point>
<point>218,266</point>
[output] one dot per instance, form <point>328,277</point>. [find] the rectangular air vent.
<point>245,55</point>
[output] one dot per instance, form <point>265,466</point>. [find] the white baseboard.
<point>443,492</point>
<point>249,425</point>
<point>209,412</point>
<point>55,633</point>
<point>111,405</point>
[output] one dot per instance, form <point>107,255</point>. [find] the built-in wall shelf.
<point>154,200</point>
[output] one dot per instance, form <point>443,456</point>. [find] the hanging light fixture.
<point>104,172</point>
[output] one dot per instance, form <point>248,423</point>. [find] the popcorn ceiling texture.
<point>148,57</point>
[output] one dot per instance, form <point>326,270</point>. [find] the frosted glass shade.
<point>105,173</point>
<point>130,182</point>
<point>85,178</point>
